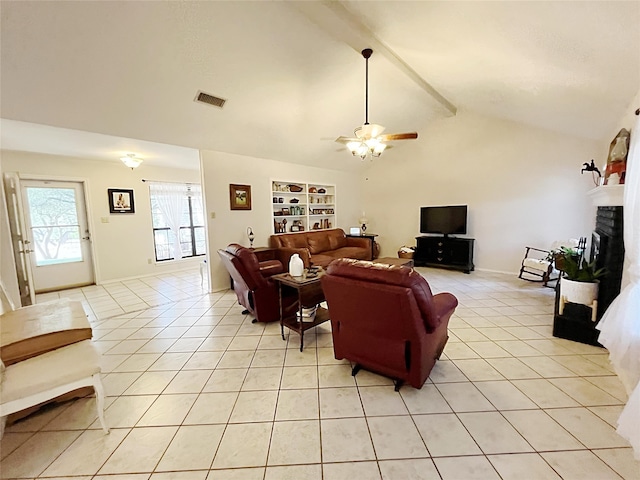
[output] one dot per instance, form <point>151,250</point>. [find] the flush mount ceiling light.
<point>369,139</point>
<point>131,161</point>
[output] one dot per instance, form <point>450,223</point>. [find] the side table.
<point>310,294</point>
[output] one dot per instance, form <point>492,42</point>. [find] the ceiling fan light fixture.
<point>131,161</point>
<point>369,140</point>
<point>378,149</point>
<point>368,130</point>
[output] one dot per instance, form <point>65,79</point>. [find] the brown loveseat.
<point>385,318</point>
<point>323,246</point>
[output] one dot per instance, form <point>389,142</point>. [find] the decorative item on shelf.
<point>285,211</point>
<point>363,222</point>
<point>316,226</point>
<point>313,190</point>
<point>275,199</point>
<point>280,200</point>
<point>295,188</point>
<point>294,200</point>
<point>322,190</point>
<point>308,314</point>
<point>617,159</point>
<point>296,266</point>
<point>251,236</point>
<point>593,169</point>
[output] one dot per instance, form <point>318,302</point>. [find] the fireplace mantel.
<point>607,195</point>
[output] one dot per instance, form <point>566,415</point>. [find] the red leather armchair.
<point>251,271</point>
<point>385,319</point>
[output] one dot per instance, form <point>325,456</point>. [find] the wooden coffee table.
<point>404,262</point>
<point>310,294</point>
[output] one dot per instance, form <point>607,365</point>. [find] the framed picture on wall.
<point>240,197</point>
<point>121,200</point>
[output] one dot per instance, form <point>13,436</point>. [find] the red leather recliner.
<point>251,272</point>
<point>385,319</point>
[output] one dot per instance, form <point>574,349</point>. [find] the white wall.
<point>221,169</point>
<point>122,246</point>
<point>522,184</point>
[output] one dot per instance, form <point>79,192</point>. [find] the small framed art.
<point>240,197</point>
<point>121,200</point>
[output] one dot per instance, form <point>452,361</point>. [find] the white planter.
<point>584,293</point>
<point>578,292</point>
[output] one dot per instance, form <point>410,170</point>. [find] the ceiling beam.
<point>339,22</point>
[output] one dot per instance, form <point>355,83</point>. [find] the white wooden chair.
<point>44,377</point>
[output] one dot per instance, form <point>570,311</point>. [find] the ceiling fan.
<point>369,139</point>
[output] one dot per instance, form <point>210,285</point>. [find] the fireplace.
<point>607,249</point>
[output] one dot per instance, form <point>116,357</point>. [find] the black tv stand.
<point>444,252</point>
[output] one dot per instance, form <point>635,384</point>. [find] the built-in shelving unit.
<point>299,206</point>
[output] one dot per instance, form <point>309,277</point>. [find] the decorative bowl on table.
<point>295,188</point>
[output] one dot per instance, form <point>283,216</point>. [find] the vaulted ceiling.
<point>293,76</point>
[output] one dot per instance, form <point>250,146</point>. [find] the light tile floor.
<point>198,392</point>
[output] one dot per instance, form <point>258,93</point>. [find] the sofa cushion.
<point>55,368</point>
<point>321,260</point>
<point>36,329</point>
<point>337,239</point>
<point>294,241</point>
<point>318,243</point>
<point>351,252</point>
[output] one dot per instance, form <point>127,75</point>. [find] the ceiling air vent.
<point>210,99</point>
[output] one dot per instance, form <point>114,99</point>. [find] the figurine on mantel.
<point>617,161</point>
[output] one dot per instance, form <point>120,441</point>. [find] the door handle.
<point>86,238</point>
<point>26,250</point>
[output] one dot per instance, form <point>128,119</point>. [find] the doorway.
<point>58,235</point>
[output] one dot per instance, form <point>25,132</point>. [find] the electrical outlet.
<point>213,215</point>
<point>149,261</point>
<point>104,219</point>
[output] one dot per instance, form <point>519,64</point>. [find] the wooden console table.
<point>310,294</point>
<point>444,252</point>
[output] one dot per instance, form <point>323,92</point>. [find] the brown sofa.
<point>385,319</point>
<point>321,247</point>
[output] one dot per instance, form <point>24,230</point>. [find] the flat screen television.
<point>447,220</point>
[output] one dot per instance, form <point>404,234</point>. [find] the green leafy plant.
<point>580,271</point>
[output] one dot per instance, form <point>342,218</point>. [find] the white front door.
<point>56,225</point>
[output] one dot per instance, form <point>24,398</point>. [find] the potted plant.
<point>579,282</point>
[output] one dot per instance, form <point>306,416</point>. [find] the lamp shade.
<point>131,161</point>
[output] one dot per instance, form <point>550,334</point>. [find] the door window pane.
<point>54,225</point>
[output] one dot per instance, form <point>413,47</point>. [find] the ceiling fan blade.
<point>398,136</point>
<point>346,140</point>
